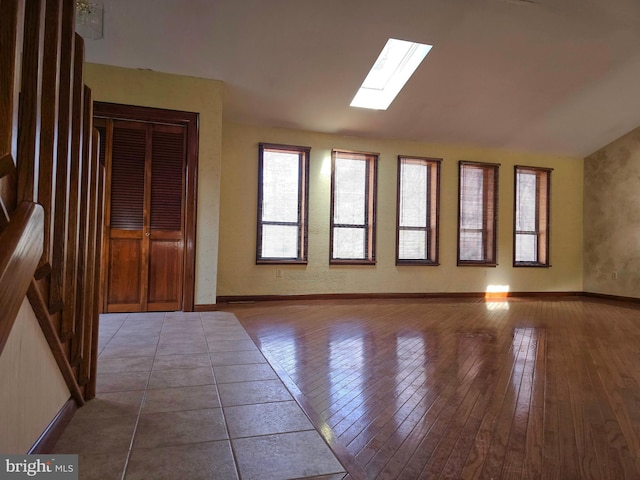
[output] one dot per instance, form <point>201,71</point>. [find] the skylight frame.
<point>396,63</point>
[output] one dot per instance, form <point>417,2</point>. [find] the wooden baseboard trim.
<point>54,430</point>
<point>206,307</point>
<point>617,298</point>
<point>233,299</point>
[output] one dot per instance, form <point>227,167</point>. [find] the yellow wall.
<point>32,389</point>
<point>239,275</point>
<point>227,193</point>
<point>176,92</point>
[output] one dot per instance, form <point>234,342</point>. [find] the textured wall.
<point>177,92</point>
<point>612,218</point>
<point>239,275</point>
<point>32,390</point>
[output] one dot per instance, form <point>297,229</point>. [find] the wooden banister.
<point>39,304</point>
<point>51,196</point>
<point>21,242</point>
<point>7,166</point>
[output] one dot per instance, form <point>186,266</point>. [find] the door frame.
<point>190,121</point>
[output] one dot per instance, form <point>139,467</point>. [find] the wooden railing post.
<point>12,14</point>
<point>59,253</point>
<point>67,326</point>
<point>29,116</point>
<point>83,275</point>
<point>49,125</point>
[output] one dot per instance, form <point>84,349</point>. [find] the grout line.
<point>224,417</point>
<point>144,397</point>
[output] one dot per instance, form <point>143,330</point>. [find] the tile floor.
<point>190,396</point>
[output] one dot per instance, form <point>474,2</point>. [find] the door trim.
<point>190,121</point>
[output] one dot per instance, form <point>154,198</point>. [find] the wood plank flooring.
<point>442,388</point>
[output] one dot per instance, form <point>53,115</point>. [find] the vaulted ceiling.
<point>555,76</point>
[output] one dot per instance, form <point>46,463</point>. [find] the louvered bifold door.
<point>144,217</point>
<point>129,155</point>
<point>165,232</point>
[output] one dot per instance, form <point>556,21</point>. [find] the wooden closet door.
<point>165,232</point>
<point>145,221</point>
<point>127,145</point>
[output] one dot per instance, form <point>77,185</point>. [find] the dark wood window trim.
<point>543,216</point>
<point>190,121</point>
<point>432,221</point>
<point>369,224</point>
<point>489,230</point>
<point>303,204</point>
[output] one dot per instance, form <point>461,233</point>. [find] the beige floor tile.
<point>235,334</point>
<point>178,399</point>
<point>171,362</point>
<point>176,338</point>
<point>136,328</point>
<point>243,373</point>
<point>101,466</point>
<point>285,455</point>
<point>146,317</point>
<point>182,348</point>
<point>115,404</point>
<point>124,364</point>
<point>245,393</point>
<point>213,328</point>
<point>178,319</point>
<point>176,428</point>
<point>222,345</point>
<point>138,340</point>
<point>121,382</point>
<point>265,419</point>
<point>85,435</point>
<point>182,377</point>
<point>237,358</point>
<point>221,317</point>
<point>127,351</point>
<point>337,476</point>
<point>199,461</point>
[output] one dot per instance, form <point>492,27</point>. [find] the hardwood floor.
<point>408,389</point>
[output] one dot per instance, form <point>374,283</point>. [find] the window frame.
<point>541,230</point>
<point>490,225</point>
<point>432,211</point>
<point>371,187</point>
<point>302,223</point>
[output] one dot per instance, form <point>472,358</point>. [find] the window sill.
<point>531,265</point>
<point>416,263</point>
<point>277,261</point>
<point>476,264</point>
<point>352,262</point>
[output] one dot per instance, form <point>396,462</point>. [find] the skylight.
<point>395,64</point>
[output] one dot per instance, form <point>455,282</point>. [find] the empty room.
<point>267,239</point>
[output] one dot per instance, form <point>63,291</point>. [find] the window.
<point>393,68</point>
<point>282,204</point>
<point>531,212</point>
<point>477,213</point>
<point>353,198</point>
<point>418,208</point>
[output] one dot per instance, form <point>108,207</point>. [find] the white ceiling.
<point>555,76</point>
